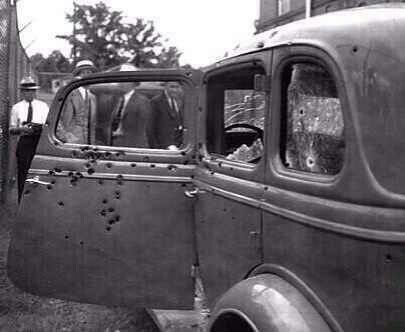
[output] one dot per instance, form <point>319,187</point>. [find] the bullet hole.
<point>152,165</point>
<point>185,162</point>
<point>183,153</point>
<point>56,143</point>
<point>111,222</point>
<point>53,182</point>
<point>27,192</point>
<point>212,172</point>
<point>91,171</point>
<point>117,218</point>
<point>266,188</point>
<point>120,183</point>
<point>103,213</point>
<point>67,237</point>
<point>73,181</point>
<point>225,210</point>
<point>88,165</point>
<point>79,175</point>
<point>81,243</point>
<point>192,176</point>
<point>260,44</point>
<point>183,185</point>
<point>100,182</point>
<point>133,165</point>
<point>287,164</point>
<point>388,258</point>
<point>109,165</point>
<point>70,174</point>
<point>57,170</point>
<point>301,111</point>
<point>120,177</point>
<point>61,203</point>
<point>49,187</point>
<point>111,209</point>
<point>189,74</point>
<point>355,49</point>
<point>85,148</point>
<point>231,168</point>
<point>200,109</point>
<point>108,228</point>
<point>107,154</point>
<point>75,154</point>
<point>117,195</point>
<point>220,164</point>
<point>51,172</point>
<point>105,201</point>
<point>171,167</point>
<point>310,162</point>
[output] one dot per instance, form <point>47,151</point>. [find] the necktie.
<point>173,104</point>
<point>30,111</point>
<point>118,114</point>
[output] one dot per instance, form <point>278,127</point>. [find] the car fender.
<point>266,302</point>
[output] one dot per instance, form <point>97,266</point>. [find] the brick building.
<point>278,12</point>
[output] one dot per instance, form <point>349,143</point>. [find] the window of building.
<point>146,115</point>
<point>312,127</point>
<point>235,118</point>
<point>284,6</point>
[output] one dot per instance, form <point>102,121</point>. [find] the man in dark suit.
<point>165,127</point>
<point>129,120</point>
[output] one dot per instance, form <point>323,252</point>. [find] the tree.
<point>49,68</point>
<point>102,36</point>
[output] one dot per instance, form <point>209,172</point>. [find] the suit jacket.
<point>165,125</point>
<point>131,131</point>
<point>78,119</point>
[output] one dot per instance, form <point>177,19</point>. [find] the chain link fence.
<point>14,64</point>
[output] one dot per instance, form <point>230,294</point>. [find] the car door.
<point>230,175</point>
<point>109,224</point>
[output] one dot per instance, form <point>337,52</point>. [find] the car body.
<point>307,236</point>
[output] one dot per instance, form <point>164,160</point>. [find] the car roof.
<point>350,26</point>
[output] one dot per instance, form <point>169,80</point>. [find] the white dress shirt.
<point>19,112</point>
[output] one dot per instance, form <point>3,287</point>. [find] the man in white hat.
<point>78,118</point>
<point>26,120</point>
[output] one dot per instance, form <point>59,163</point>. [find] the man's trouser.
<point>25,153</point>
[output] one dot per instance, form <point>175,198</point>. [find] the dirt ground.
<point>20,311</point>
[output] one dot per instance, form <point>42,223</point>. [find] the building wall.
<point>270,15</point>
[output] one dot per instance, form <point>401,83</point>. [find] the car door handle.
<point>36,180</point>
<point>194,192</point>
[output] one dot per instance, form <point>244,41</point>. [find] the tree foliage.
<point>102,36</point>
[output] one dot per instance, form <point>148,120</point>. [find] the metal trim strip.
<point>112,176</point>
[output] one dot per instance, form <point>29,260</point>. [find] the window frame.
<point>281,174</point>
<point>188,79</point>
<point>221,159</point>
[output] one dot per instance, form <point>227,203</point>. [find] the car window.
<point>235,119</point>
<point>146,115</point>
<point>313,129</point>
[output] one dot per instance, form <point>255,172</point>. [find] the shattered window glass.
<point>314,131</point>
<point>236,112</point>
<point>243,117</point>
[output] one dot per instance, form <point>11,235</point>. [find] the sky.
<point>203,30</point>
